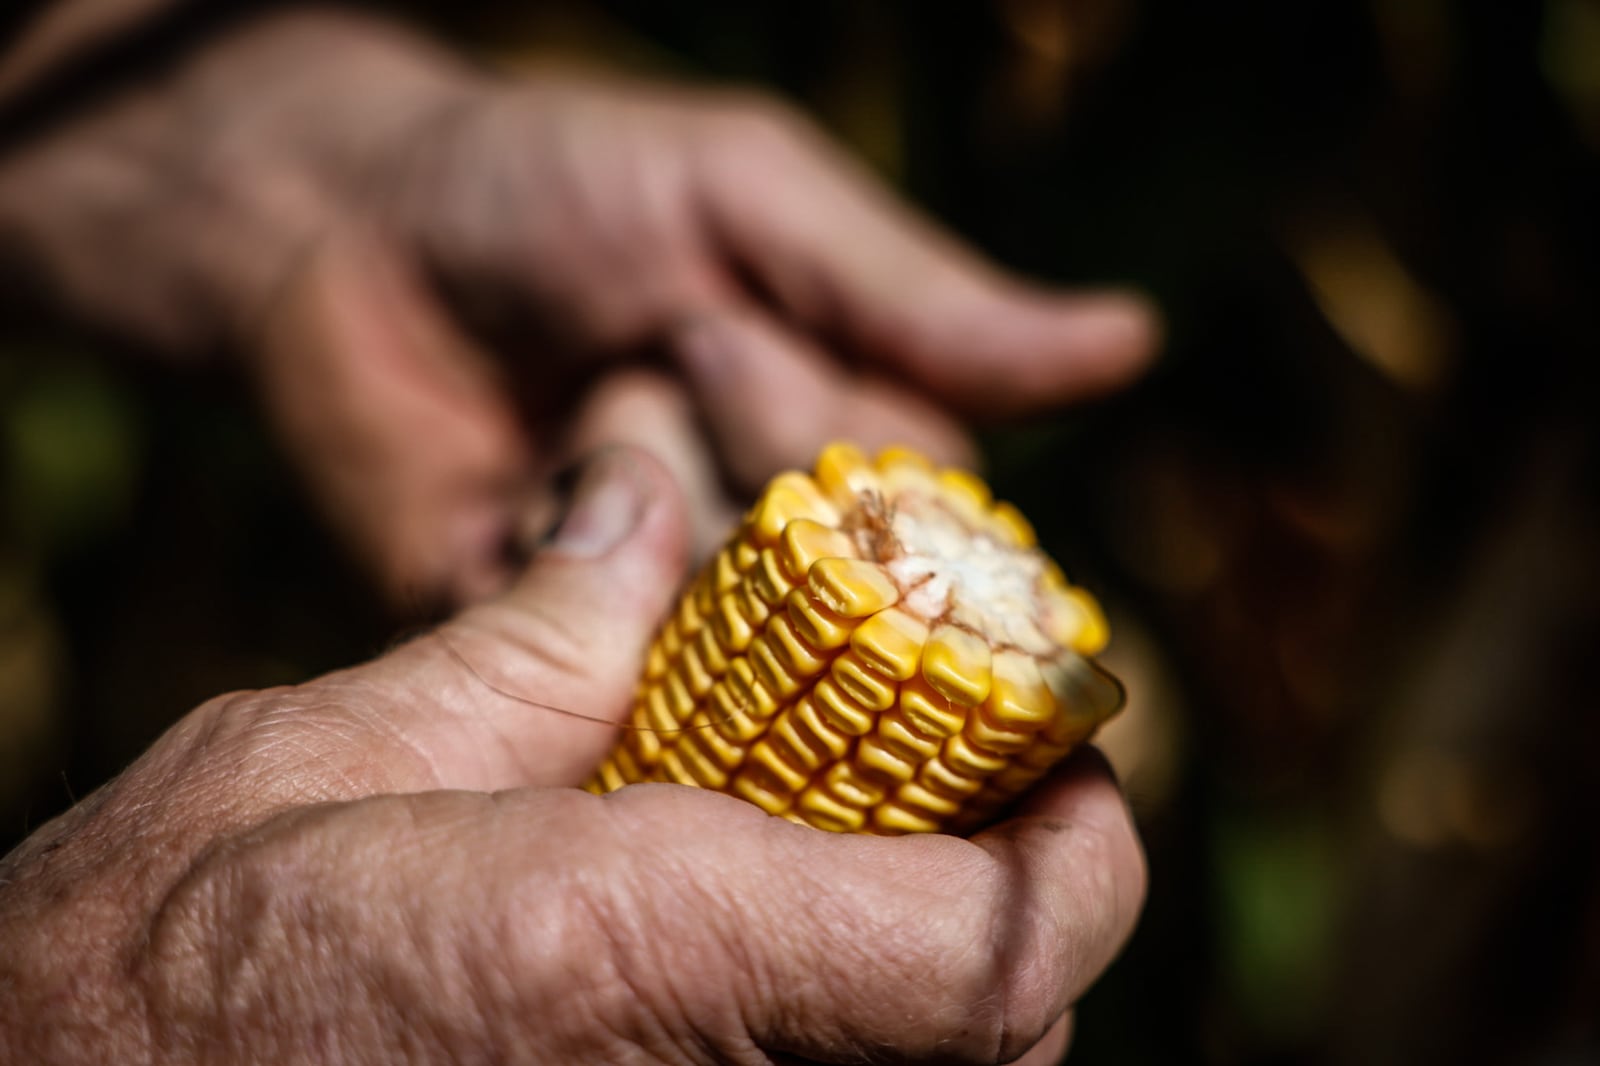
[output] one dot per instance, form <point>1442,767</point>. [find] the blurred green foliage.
<point>1278,907</point>
<point>71,450</point>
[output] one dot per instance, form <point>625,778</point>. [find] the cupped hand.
<point>389,864</point>
<point>368,219</point>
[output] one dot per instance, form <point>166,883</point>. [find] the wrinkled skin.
<point>443,285</point>
<point>358,215</point>
<point>386,865</point>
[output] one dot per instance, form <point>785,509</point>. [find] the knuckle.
<point>233,912</point>
<point>643,940</point>
<point>1017,964</point>
<point>1113,891</point>
<point>753,123</point>
<point>964,970</point>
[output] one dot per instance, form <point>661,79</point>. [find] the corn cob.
<point>880,647</point>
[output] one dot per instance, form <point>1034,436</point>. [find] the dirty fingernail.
<point>606,507</point>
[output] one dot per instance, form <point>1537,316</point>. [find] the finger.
<point>847,258</point>
<point>772,399</point>
<point>521,691</point>
<point>905,946</point>
<point>398,422</point>
<point>1053,1048</point>
<point>1082,803</point>
<point>652,410</point>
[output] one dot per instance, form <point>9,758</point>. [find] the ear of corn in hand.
<point>880,647</point>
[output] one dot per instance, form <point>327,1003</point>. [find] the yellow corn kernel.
<point>1019,697</point>
<point>768,581</point>
<point>798,745</point>
<point>643,748</point>
<point>937,776</point>
<point>797,657</point>
<point>891,642</point>
<point>818,730</point>
<point>787,497</point>
<point>841,710</point>
<point>899,455</point>
<point>956,663</point>
<point>844,473</point>
<point>655,663</point>
<point>671,640</point>
<point>732,630</point>
<point>750,787</point>
<point>866,687</point>
<point>658,716</point>
<point>725,573</point>
<point>699,732</point>
<point>880,647</point>
<point>748,602</point>
<point>688,618</point>
<point>852,588</point>
<point>821,810</point>
<point>1075,621</point>
<point>892,818</point>
<point>806,542</point>
<point>1012,526</point>
<point>766,769</point>
<point>929,711</point>
<point>695,672</point>
<point>679,697</point>
<point>920,798</point>
<point>905,740</point>
<point>992,736</point>
<point>963,757</point>
<point>881,762</point>
<point>818,626</point>
<point>901,469</point>
<point>609,777</point>
<point>1085,697</point>
<point>711,652</point>
<point>966,491</point>
<point>849,785</point>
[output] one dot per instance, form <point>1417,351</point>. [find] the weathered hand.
<point>388,864</point>
<point>340,201</point>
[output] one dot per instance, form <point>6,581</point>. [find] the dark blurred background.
<point>1347,530</point>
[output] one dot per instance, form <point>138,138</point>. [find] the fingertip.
<point>621,493</point>
<point>1010,348</point>
<point>1112,337</point>
<point>654,409</point>
<point>1068,347</point>
<point>624,527</point>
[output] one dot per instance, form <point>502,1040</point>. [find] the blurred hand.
<point>384,865</point>
<point>366,218</point>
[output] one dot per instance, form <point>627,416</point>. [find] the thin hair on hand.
<point>565,712</point>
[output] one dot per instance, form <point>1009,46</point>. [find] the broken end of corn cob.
<point>880,647</point>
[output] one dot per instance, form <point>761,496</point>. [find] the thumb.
<point>519,691</point>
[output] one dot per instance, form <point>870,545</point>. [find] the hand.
<point>341,202</point>
<point>388,864</point>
